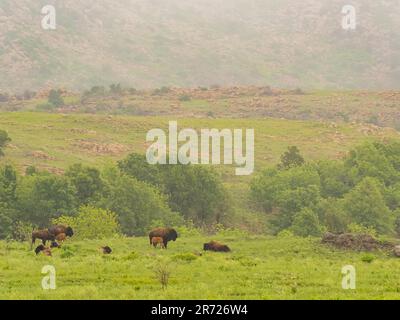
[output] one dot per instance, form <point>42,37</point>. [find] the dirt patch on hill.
<point>352,241</point>
<point>41,155</point>
<point>101,149</point>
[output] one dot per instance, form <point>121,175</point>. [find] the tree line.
<point>360,193</point>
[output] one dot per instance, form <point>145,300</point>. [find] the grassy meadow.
<point>258,267</point>
<point>55,141</point>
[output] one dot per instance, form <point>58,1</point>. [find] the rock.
<point>396,251</point>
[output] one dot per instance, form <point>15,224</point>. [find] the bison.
<point>42,248</point>
<point>58,229</point>
<point>216,246</point>
<point>43,235</point>
<point>157,241</point>
<point>167,234</point>
<point>106,250</point>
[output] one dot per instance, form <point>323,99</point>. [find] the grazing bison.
<point>157,241</point>
<point>61,237</point>
<point>44,250</point>
<point>167,234</point>
<point>216,246</point>
<point>58,229</point>
<point>43,235</point>
<point>106,250</point>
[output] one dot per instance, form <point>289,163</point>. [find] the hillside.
<point>151,43</point>
<point>54,141</point>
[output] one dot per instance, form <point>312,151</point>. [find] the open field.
<point>55,141</point>
<point>257,268</point>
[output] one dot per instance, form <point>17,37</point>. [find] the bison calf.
<point>44,250</point>
<point>155,241</point>
<point>106,250</point>
<point>216,246</point>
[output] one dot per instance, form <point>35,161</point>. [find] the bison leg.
<point>151,242</point>
<point>165,244</point>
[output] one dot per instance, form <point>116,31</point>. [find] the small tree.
<point>291,158</point>
<point>91,223</point>
<point>306,223</point>
<point>55,98</point>
<point>4,140</point>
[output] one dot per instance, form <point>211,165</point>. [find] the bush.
<point>55,98</point>
<point>356,228</point>
<point>306,223</point>
<point>91,223</point>
<point>368,258</point>
<point>184,98</point>
<point>22,231</point>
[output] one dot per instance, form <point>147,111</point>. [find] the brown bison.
<point>167,234</point>
<point>58,229</point>
<point>106,250</point>
<point>46,251</point>
<point>216,246</point>
<point>43,235</point>
<point>157,241</point>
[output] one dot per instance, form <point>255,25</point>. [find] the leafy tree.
<point>306,223</point>
<point>5,225</point>
<point>136,203</point>
<point>55,98</point>
<point>332,216</point>
<point>365,205</point>
<point>196,192</point>
<point>268,188</point>
<point>370,160</point>
<point>137,166</point>
<point>43,197</point>
<point>91,223</point>
<point>291,158</point>
<point>87,182</point>
<point>4,140</point>
<point>335,180</point>
<point>31,170</point>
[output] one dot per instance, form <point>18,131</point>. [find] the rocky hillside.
<point>151,43</point>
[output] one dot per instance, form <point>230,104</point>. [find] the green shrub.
<point>368,258</point>
<point>91,223</point>
<point>356,228</point>
<point>306,223</point>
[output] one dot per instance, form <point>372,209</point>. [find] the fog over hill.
<point>152,43</point>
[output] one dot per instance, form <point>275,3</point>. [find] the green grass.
<point>62,138</point>
<point>257,268</point>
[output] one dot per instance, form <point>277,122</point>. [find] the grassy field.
<point>257,268</point>
<point>55,141</point>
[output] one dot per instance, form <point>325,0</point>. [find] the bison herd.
<point>158,237</point>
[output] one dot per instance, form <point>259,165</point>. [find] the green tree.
<point>370,160</point>
<point>136,203</point>
<point>43,197</point>
<point>365,205</point>
<point>306,223</point>
<point>87,182</point>
<point>91,223</point>
<point>55,98</point>
<point>291,158</point>
<point>4,140</point>
<point>137,166</point>
<point>196,192</point>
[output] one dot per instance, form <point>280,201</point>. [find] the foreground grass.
<point>257,268</point>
